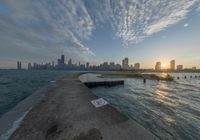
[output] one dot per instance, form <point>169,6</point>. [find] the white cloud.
<point>198,7</point>
<point>186,25</point>
<point>150,17</point>
<point>46,28</point>
<point>134,20</point>
<point>62,25</point>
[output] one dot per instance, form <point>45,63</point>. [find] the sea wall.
<point>66,113</point>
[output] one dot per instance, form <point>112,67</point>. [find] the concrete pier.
<point>66,113</point>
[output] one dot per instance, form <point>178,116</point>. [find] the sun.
<point>164,66</point>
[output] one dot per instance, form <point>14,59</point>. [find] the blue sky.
<point>146,31</point>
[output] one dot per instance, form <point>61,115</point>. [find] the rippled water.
<point>170,110</point>
<point>17,85</point>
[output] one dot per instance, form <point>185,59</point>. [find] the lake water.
<point>170,110</point>
<point>16,85</point>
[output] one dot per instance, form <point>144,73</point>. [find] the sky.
<point>145,31</point>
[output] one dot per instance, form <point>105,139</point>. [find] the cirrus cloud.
<point>35,27</point>
<point>134,20</point>
<point>45,28</point>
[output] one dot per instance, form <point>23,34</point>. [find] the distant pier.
<point>104,83</point>
<point>191,76</point>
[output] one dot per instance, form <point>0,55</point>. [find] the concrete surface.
<point>66,113</point>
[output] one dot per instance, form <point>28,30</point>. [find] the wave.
<point>15,125</point>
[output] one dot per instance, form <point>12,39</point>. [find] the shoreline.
<point>135,75</point>
<point>12,119</point>
<point>66,113</point>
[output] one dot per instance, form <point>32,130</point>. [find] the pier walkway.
<point>66,113</point>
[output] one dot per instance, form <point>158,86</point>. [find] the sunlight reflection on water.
<point>170,110</point>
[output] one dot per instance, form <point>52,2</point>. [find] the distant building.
<point>82,66</point>
<point>58,62</point>
<point>104,66</point>
<point>112,66</point>
<point>194,68</point>
<point>172,65</point>
<point>158,66</point>
<point>131,67</point>
<point>29,66</point>
<point>35,65</point>
<point>125,63</point>
<point>180,67</point>
<point>53,64</point>
<point>62,61</point>
<point>19,65</point>
<point>62,65</point>
<point>118,66</point>
<point>137,66</point>
<point>70,62</point>
<point>87,65</point>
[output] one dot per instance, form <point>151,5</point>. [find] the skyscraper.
<point>29,66</point>
<point>112,65</point>
<point>53,64</point>
<point>19,65</point>
<point>70,63</point>
<point>62,59</point>
<point>158,66</point>
<point>172,65</point>
<point>61,62</point>
<point>125,63</point>
<point>87,65</point>
<point>58,62</point>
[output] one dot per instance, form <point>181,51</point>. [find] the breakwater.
<point>66,112</point>
<point>104,83</point>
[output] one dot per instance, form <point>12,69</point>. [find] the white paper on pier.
<point>99,102</point>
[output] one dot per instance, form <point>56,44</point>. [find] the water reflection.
<point>165,99</point>
<point>169,120</point>
<point>168,109</point>
<point>162,96</point>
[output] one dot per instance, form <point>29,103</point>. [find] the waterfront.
<point>170,110</point>
<point>137,45</point>
<point>66,112</point>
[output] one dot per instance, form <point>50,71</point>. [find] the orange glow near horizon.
<point>163,66</point>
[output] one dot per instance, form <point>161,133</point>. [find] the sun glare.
<point>164,66</point>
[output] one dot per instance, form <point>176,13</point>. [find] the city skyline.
<point>100,31</point>
<point>163,65</point>
<point>63,63</point>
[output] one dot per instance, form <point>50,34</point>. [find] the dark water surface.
<point>16,85</point>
